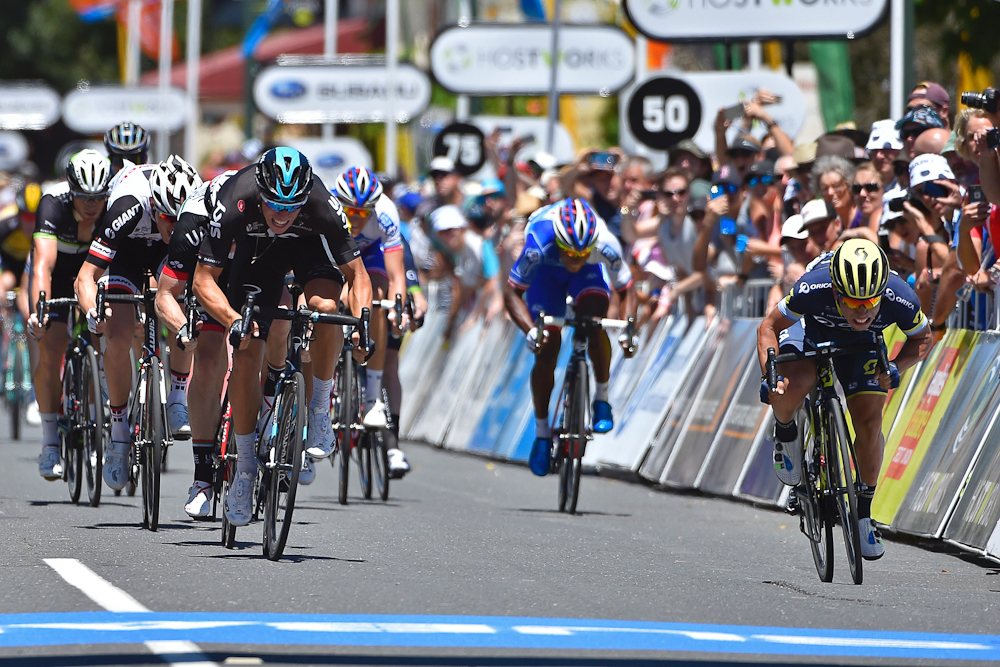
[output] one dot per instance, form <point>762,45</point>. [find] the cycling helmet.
<point>88,173</point>
<point>358,188</point>
<point>284,177</point>
<point>859,270</point>
<point>171,182</point>
<point>576,229</point>
<point>127,140</point>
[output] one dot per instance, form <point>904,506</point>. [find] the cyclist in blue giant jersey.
<point>568,251</point>
<point>375,226</point>
<point>842,299</point>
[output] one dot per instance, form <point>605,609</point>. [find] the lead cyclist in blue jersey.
<point>568,251</point>
<point>841,299</point>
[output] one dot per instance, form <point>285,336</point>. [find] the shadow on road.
<point>535,510</point>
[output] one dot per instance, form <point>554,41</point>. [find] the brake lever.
<point>40,309</point>
<point>772,371</point>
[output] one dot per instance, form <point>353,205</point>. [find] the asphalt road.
<point>465,537</point>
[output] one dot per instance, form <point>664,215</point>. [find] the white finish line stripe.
<point>112,598</point>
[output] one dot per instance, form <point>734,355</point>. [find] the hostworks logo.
<point>457,58</point>
<point>662,7</point>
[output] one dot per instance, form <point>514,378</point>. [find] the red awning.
<point>221,75</point>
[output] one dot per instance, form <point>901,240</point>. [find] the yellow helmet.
<point>859,270</point>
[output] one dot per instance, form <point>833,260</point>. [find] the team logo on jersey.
<point>240,205</point>
<point>533,255</point>
<point>121,221</point>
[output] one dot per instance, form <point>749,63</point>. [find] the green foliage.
<point>967,25</point>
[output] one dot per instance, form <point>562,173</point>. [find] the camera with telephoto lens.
<point>988,100</point>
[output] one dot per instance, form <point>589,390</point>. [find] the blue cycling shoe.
<point>603,421</point>
<point>540,458</point>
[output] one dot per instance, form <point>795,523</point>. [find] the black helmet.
<point>284,177</point>
<point>126,140</point>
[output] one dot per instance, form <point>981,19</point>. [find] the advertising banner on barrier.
<point>637,421</point>
<point>959,436</point>
<point>710,406</point>
<point>506,398</point>
<point>518,445</point>
<point>625,374</point>
<point>758,481</point>
<point>976,518</point>
<point>894,340</point>
<point>427,367</point>
<point>734,440</point>
<point>909,440</point>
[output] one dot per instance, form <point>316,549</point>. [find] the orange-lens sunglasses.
<point>855,304</point>
<point>351,210</point>
<point>576,254</point>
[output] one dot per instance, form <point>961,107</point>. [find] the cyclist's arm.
<point>86,286</point>
<point>43,260</point>
<point>358,284</point>
<point>767,335</point>
<point>206,287</point>
<point>396,272</point>
<point>516,308</point>
<point>167,307</point>
<point>914,349</point>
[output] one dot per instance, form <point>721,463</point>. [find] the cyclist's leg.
<point>547,294</point>
<point>118,373</point>
<point>204,393</point>
<point>48,391</point>
<point>591,296</point>
<point>800,378</point>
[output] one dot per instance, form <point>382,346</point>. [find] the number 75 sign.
<point>663,111</point>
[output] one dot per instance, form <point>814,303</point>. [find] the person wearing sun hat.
<point>883,146</point>
<point>915,122</point>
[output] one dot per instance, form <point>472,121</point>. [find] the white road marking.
<point>112,598</point>
<point>863,642</point>
<point>569,630</point>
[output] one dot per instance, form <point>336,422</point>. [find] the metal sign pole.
<point>166,52</point>
<point>132,43</point>
<point>391,60</point>
<point>193,71</point>
<point>553,90</point>
<point>897,40</point>
<point>330,47</point>
<point>462,101</point>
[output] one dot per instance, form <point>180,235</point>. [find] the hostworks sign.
<point>692,20</point>
<point>517,59</point>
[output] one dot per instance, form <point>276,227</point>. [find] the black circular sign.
<point>462,143</point>
<point>663,111</point>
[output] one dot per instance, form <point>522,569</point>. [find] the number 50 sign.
<point>663,111</point>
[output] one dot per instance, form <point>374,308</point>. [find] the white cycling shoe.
<point>180,425</point>
<point>375,418</point>
<point>787,471</point>
<point>49,463</point>
<point>319,444</point>
<point>871,540</point>
<point>31,414</point>
<point>199,504</point>
<point>398,465</point>
<point>307,473</point>
<point>239,500</point>
<point>116,464</point>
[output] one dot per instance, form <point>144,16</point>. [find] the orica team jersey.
<point>813,298</point>
<point>382,227</point>
<point>540,249</point>
<point>130,215</point>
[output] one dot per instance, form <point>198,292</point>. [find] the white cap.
<point>929,167</point>
<point>814,211</point>
<point>884,135</point>
<point>792,228</point>
<point>889,195</point>
<point>447,217</point>
<point>441,163</point>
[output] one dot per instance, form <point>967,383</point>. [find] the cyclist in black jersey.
<point>281,218</point>
<point>126,141</point>
<point>64,227</point>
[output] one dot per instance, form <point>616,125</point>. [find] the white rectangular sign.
<point>691,20</point>
<point>332,157</point>
<point>27,107</point>
<point>339,93</point>
<point>516,59</point>
<point>96,109</point>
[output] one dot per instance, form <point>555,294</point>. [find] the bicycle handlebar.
<point>602,322</point>
<point>43,305</point>
<point>823,351</point>
<point>236,337</point>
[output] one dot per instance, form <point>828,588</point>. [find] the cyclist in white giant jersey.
<point>142,214</point>
<point>375,226</point>
<point>568,251</point>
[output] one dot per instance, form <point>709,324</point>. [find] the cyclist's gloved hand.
<point>36,328</point>
<point>629,342</point>
<point>92,322</point>
<point>235,334</point>
<point>765,393</point>
<point>531,340</point>
<point>893,375</point>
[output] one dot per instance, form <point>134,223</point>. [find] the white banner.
<point>339,93</point>
<point>330,158</point>
<point>512,127</point>
<point>97,109</point>
<point>678,20</point>
<point>516,59</point>
<point>13,150</point>
<point>28,107</point>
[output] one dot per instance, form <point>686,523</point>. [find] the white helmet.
<point>358,188</point>
<point>171,182</point>
<point>88,173</point>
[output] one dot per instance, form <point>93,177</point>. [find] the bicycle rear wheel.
<point>380,463</point>
<point>364,455</point>
<point>345,415</point>
<point>151,450</point>
<point>285,461</point>
<point>225,471</point>
<point>578,443</point>
<point>92,412</point>
<point>843,476</point>
<point>816,520</point>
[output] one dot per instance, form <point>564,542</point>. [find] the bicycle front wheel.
<point>380,463</point>
<point>816,519</point>
<point>345,415</point>
<point>151,449</point>
<point>578,442</point>
<point>92,412</point>
<point>70,436</point>
<point>284,462</point>
<point>364,454</point>
<point>843,472</point>
<point>225,471</point>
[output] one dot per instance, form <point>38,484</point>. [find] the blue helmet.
<point>358,188</point>
<point>284,177</point>
<point>576,229</point>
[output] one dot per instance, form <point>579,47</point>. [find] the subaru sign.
<point>288,89</point>
<point>27,106</point>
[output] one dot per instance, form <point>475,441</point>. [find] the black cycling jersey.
<point>55,219</point>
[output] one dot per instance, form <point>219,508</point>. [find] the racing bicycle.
<point>828,492</point>
<point>16,364</point>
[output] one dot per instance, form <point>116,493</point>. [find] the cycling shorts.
<point>857,373</point>
<point>126,273</point>
<point>63,283</point>
<point>552,284</point>
<point>263,271</point>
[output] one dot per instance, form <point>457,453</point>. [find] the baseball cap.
<point>950,146</point>
<point>925,116</point>
<point>850,130</point>
<point>492,186</point>
<point>792,228</point>
<point>804,156</point>
<point>836,144</point>
<point>410,200</point>
<point>887,213</point>
<point>929,167</point>
<point>815,210</point>
<point>726,175</point>
<point>744,142</point>
<point>761,168</point>
<point>935,93</point>
<point>447,217</point>
<point>441,164</point>
<point>688,146</point>
<point>884,135</point>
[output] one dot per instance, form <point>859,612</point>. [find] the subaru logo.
<point>288,89</point>
<point>330,161</point>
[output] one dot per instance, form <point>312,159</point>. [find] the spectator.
<point>903,236</point>
<point>797,251</point>
<point>966,171</point>
<point>698,165</point>
<point>764,235</point>
<point>447,190</point>
<point>867,189</point>
<point>883,147</point>
<point>971,238</point>
<point>493,199</point>
<point>718,253</point>
<point>821,223</point>
<point>832,179</point>
<point>930,141</point>
<point>677,231</point>
<point>914,123</point>
<point>901,167</point>
<point>928,93</point>
<point>967,125</point>
<point>592,177</point>
<point>637,205</point>
<point>784,172</point>
<point>742,153</point>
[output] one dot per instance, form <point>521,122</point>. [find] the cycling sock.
<point>542,427</point>
<point>395,425</point>
<point>245,454</point>
<point>373,389</point>
<point>321,393</point>
<point>271,381</point>
<point>50,428</point>
<point>865,496</point>
<point>785,432</point>
<point>202,460</point>
<point>601,393</point>
<point>119,427</point>
<point>178,381</point>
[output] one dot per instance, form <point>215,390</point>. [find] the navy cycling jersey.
<point>813,299</point>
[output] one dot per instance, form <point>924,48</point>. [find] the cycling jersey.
<point>192,227</point>
<point>15,245</point>
<point>382,227</point>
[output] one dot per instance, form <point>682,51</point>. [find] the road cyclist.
<point>127,144</point>
<point>845,298</point>
<point>282,218</point>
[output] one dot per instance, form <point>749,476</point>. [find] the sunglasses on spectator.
<point>856,304</point>
<point>911,132</point>
<point>280,207</point>
<point>766,179</point>
<point>724,189</point>
<point>356,211</point>
<point>673,193</point>
<point>739,152</point>
<point>870,188</point>
<point>931,189</point>
<point>439,174</point>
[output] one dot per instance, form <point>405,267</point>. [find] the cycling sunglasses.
<point>89,196</point>
<point>576,254</point>
<point>856,304</point>
<point>280,207</point>
<point>766,179</point>
<point>871,188</point>
<point>357,211</point>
